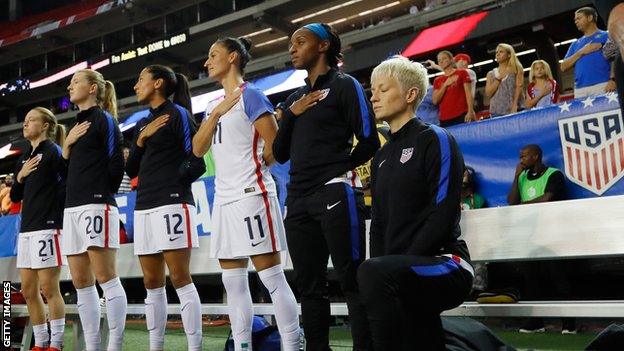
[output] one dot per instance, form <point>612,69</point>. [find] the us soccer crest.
<point>593,149</point>
<point>406,154</point>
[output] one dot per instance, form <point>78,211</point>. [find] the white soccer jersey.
<point>240,170</point>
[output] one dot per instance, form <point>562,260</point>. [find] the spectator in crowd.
<point>462,61</point>
<point>125,186</point>
<point>452,92</point>
<point>3,193</point>
<point>542,90</point>
<point>593,75</point>
<point>504,83</point>
<point>612,12</point>
<point>535,182</point>
<point>5,199</point>
<point>427,111</point>
<point>470,200</point>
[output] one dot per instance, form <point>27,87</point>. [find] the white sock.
<point>89,312</point>
<point>190,309</point>
<point>239,305</point>
<point>57,331</point>
<point>41,335</point>
<point>156,317</point>
<point>284,304</point>
<point>116,306</point>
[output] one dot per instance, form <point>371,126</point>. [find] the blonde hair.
<point>106,97</point>
<point>408,74</point>
<point>450,56</point>
<point>56,131</point>
<point>513,65</point>
<point>546,69</point>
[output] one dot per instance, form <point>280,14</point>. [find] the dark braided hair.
<point>241,46</point>
<point>334,56</point>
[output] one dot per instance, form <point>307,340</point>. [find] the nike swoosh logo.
<point>141,129</point>
<point>174,239</point>
<point>329,207</point>
<point>256,244</point>
<point>93,237</point>
<point>45,259</point>
<point>381,163</point>
<point>271,293</point>
<point>112,298</point>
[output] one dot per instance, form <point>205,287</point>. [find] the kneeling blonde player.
<point>164,225</point>
<point>40,184</point>
<point>240,129</point>
<point>419,266</point>
<point>91,219</point>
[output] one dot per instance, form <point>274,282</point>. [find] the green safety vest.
<point>532,189</point>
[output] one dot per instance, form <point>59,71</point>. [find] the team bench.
<point>586,228</point>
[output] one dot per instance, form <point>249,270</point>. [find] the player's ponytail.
<point>182,93</point>
<point>55,131</point>
<point>109,102</point>
<point>175,85</point>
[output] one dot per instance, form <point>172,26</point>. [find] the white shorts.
<point>247,227</point>
<point>40,249</point>
<point>168,227</point>
<point>90,225</point>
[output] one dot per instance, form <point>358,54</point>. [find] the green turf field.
<point>136,338</point>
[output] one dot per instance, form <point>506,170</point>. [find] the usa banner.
<point>583,138</point>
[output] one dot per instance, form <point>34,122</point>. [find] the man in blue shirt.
<point>592,72</point>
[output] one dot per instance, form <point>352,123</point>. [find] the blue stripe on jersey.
<point>110,139</point>
<point>436,270</point>
<point>445,162</point>
<point>185,116</point>
<point>366,128</point>
<point>353,219</point>
<point>59,178</point>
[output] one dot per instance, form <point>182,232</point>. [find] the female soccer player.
<point>164,225</point>
<point>419,266</point>
<point>324,211</point>
<point>91,220</point>
<point>240,129</point>
<point>40,184</point>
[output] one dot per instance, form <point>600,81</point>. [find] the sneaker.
<point>531,331</point>
<point>37,348</point>
<point>533,325</point>
<point>498,296</point>
<point>568,326</point>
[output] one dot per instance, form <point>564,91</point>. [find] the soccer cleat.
<point>533,325</point>
<point>531,331</point>
<point>53,349</point>
<point>37,348</point>
<point>569,326</point>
